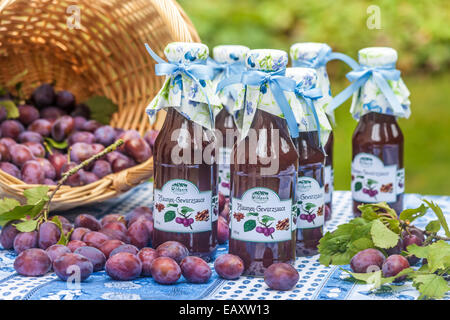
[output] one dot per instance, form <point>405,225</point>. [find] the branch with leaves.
<point>379,227</point>
<point>29,216</point>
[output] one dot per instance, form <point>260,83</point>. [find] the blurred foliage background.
<point>418,29</point>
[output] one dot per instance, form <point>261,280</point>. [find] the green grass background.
<point>417,29</point>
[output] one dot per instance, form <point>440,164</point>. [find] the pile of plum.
<point>120,245</point>
<point>370,260</point>
<point>26,154</point>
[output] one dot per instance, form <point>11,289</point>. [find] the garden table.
<point>316,282</point>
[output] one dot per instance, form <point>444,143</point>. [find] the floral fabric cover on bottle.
<point>306,54</point>
<point>369,97</point>
<point>306,78</point>
<point>187,96</point>
<point>231,58</point>
<point>259,97</point>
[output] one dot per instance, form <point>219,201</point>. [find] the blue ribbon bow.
<point>228,70</point>
<point>276,81</point>
<point>323,57</point>
<point>197,71</point>
<point>360,76</point>
<point>308,95</point>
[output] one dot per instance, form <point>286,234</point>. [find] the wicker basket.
<point>106,56</point>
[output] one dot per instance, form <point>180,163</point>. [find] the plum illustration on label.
<point>180,207</point>
<point>369,187</point>
<point>261,216</point>
<point>372,181</point>
<point>310,203</point>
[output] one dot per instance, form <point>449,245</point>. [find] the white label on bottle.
<point>261,216</point>
<point>328,183</point>
<point>215,208</point>
<point>400,181</point>
<point>372,181</point>
<point>224,171</point>
<point>310,203</point>
<point>180,207</point>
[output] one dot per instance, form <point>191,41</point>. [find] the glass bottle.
<point>377,144</point>
<point>316,55</point>
<point>230,59</point>
<point>183,173</point>
<point>310,183</point>
<point>264,175</point>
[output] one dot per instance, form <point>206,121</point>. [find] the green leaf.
<point>337,247</point>
<point>101,108</point>
<point>361,244</point>
<point>11,109</point>
<point>325,259</point>
<point>26,226</point>
<point>7,204</point>
<point>376,278</point>
<point>255,214</point>
<point>309,206</point>
<point>172,205</point>
<point>36,194</point>
<point>185,210</point>
<point>394,225</point>
<point>412,214</point>
<point>440,215</point>
<point>433,226</point>
<point>359,229</point>
<point>368,213</point>
<point>249,225</point>
<point>431,286</point>
<point>370,277</point>
<point>266,219</point>
<point>382,237</point>
<point>358,186</point>
<point>418,251</point>
<point>375,210</point>
<point>169,216</point>
<point>17,213</point>
<point>64,238</point>
<point>55,144</point>
<point>437,254</point>
<point>371,182</point>
<point>38,208</point>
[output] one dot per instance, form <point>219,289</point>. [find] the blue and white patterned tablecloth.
<point>316,281</point>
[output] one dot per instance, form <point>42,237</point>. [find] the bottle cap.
<point>266,60</point>
<point>308,119</point>
<point>186,52</point>
<point>306,51</point>
<point>377,56</point>
<point>230,53</point>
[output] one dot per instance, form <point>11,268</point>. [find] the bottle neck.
<point>265,120</point>
<point>311,138</point>
<point>378,117</point>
